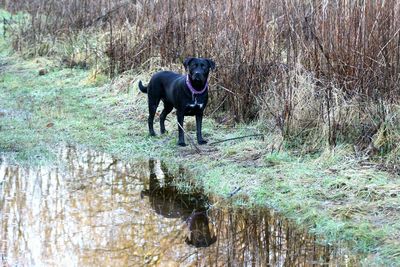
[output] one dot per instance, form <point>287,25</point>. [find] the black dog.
<point>187,93</point>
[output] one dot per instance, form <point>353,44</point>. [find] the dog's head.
<point>198,68</point>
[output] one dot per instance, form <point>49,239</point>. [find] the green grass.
<point>330,193</point>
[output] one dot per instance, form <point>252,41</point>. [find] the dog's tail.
<point>142,88</point>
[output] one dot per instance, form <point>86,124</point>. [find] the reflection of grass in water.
<point>330,193</point>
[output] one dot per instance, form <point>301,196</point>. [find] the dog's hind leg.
<point>153,104</point>
<point>167,109</point>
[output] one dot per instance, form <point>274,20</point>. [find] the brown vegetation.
<point>320,72</point>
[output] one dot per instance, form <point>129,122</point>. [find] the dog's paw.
<point>152,134</point>
<point>182,144</point>
<point>202,142</point>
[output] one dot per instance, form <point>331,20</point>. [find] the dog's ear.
<point>186,62</point>
<point>211,64</point>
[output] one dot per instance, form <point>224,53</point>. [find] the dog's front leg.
<point>180,116</point>
<point>199,121</point>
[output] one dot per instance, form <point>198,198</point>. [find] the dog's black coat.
<point>171,88</point>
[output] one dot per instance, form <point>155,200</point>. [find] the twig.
<point>220,105</point>
<point>234,192</point>
<point>226,89</point>
<point>236,138</point>
<point>107,14</point>
<point>231,194</point>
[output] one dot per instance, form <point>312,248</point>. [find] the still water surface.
<point>95,210</point>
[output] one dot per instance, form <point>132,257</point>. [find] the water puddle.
<point>95,210</point>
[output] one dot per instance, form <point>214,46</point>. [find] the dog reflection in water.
<point>169,202</point>
<point>200,234</point>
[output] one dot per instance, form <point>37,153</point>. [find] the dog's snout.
<point>197,75</point>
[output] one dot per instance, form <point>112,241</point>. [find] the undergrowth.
<point>339,192</point>
<point>318,74</point>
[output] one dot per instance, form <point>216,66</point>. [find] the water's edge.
<point>95,210</point>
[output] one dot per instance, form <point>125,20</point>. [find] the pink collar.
<point>191,88</point>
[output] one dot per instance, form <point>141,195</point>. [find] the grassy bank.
<point>336,195</point>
